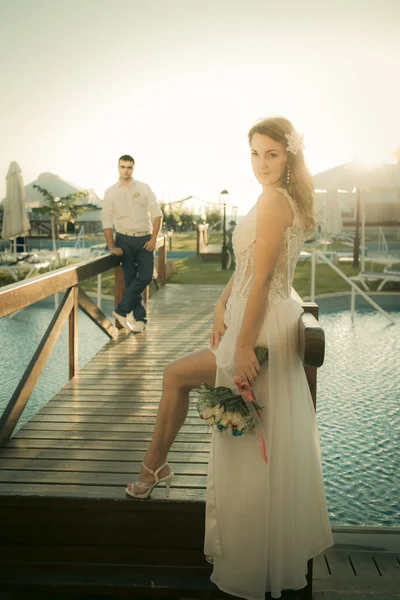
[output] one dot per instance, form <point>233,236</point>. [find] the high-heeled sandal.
<point>150,486</point>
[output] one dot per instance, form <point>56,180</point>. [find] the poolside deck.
<point>65,521</point>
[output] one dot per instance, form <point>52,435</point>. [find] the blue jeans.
<point>138,266</point>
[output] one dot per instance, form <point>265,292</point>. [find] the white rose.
<point>225,420</point>
<point>238,420</point>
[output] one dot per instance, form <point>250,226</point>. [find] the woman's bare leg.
<point>180,377</point>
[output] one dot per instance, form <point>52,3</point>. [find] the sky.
<point>178,83</point>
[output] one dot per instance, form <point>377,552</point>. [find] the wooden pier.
<point>66,524</point>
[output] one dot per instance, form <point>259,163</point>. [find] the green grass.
<point>199,272</point>
<point>107,283</point>
<point>194,270</point>
<point>326,280</point>
<point>187,241</point>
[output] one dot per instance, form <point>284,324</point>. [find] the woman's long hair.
<point>300,186</point>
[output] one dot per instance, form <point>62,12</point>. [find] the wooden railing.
<point>22,294</point>
<point>311,342</point>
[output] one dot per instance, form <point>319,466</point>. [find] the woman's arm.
<point>226,293</point>
<point>274,215</point>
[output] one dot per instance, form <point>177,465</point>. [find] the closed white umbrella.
<point>15,216</point>
<point>332,222</point>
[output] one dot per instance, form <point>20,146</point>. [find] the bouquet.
<point>233,411</point>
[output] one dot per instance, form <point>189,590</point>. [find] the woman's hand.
<point>247,365</point>
<point>219,326</point>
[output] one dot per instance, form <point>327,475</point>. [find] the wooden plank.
<point>110,393</point>
<point>130,456</point>
<point>142,410</point>
<point>107,435</point>
<point>22,444</point>
<point>106,428</point>
<point>339,565</point>
<point>388,565</point>
<point>128,386</point>
<point>85,479</point>
<point>115,377</point>
<point>24,293</point>
<point>99,554</point>
<point>73,335</point>
<point>364,565</point>
<point>320,568</point>
<point>96,491</point>
<point>92,311</point>
<point>129,468</point>
<point>143,582</point>
<point>94,370</point>
<point>107,419</point>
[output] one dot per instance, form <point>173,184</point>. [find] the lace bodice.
<point>244,241</point>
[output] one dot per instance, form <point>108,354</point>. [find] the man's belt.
<point>135,233</point>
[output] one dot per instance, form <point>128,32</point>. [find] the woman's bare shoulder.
<point>271,204</point>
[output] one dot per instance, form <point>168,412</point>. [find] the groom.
<point>131,207</point>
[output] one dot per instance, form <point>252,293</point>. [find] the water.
<point>20,335</point>
<point>357,406</point>
<point>358,412</point>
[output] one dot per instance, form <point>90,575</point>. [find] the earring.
<point>288,176</point>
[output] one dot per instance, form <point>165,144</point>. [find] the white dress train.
<point>264,521</point>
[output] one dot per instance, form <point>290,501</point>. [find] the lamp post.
<point>224,196</point>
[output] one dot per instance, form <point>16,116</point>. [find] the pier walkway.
<point>66,524</point>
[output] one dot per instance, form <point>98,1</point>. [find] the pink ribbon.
<point>246,391</point>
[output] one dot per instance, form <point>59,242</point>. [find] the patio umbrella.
<point>353,175</point>
<point>15,217</point>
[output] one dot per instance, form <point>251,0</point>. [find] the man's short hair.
<point>126,157</point>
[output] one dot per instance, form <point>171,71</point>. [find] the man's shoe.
<point>122,321</point>
<point>131,319</point>
<point>138,326</point>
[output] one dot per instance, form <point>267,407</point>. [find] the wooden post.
<point>162,263</point>
<point>198,240</point>
<point>119,289</point>
<point>99,292</point>
<point>311,372</point>
<point>73,334</point>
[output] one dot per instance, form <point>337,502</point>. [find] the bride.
<point>263,521</point>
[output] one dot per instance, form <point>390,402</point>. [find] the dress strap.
<point>297,221</point>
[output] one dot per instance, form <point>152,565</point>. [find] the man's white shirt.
<point>130,209</point>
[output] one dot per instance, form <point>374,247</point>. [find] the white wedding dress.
<point>264,521</point>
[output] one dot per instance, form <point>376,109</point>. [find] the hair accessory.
<point>295,141</point>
